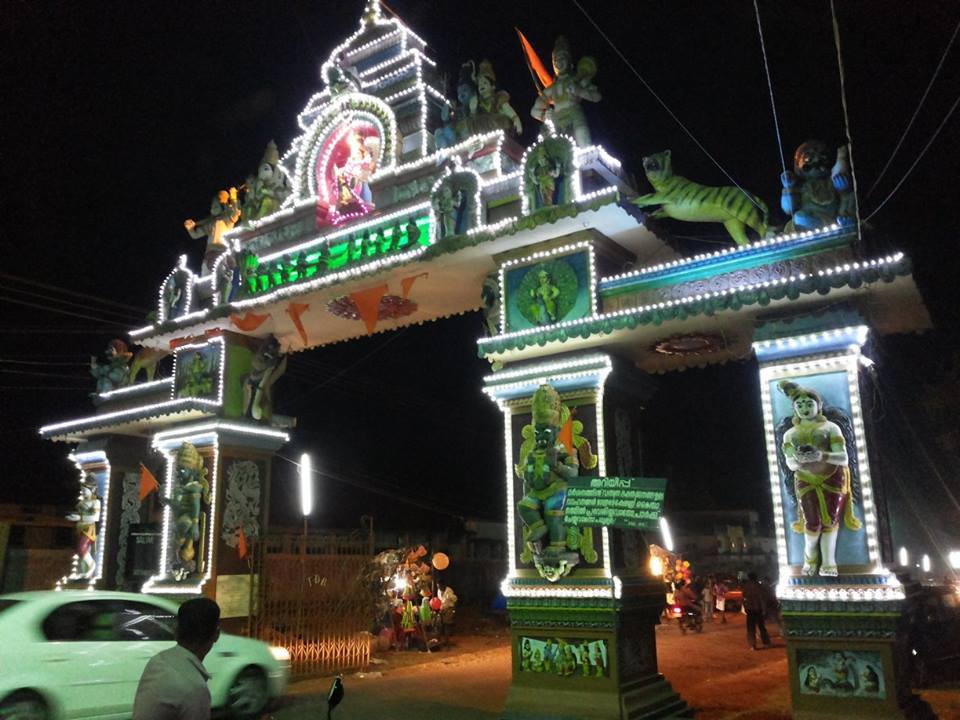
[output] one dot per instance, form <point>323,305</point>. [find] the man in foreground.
<point>174,683</point>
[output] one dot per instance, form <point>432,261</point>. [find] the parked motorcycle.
<point>687,619</point>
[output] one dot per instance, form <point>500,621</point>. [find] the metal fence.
<point>312,599</point>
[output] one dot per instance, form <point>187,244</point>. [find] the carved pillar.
<point>840,617</point>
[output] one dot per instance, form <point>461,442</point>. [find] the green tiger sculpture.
<point>683,199</point>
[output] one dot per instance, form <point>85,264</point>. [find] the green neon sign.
<point>339,254</point>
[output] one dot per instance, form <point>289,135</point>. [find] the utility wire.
<point>916,112</point>
<point>65,291</point>
<point>128,316</point>
<point>917,160</point>
<point>47,308</point>
<point>664,105</point>
<point>14,361</point>
<point>773,105</point>
<point>41,374</point>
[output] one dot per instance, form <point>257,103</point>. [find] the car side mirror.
<point>335,695</point>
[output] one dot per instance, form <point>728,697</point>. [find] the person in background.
<point>448,609</point>
<point>685,596</point>
<point>755,605</point>
<point>720,593</point>
<point>173,685</point>
<point>773,604</point>
<point>708,598</point>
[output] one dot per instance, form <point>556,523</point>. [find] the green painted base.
<point>589,658</point>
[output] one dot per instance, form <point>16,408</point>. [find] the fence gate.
<point>312,600</point>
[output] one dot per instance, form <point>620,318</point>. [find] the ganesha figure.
<point>546,466</point>
<point>819,191</point>
<point>814,451</point>
<point>86,515</point>
<point>191,492</point>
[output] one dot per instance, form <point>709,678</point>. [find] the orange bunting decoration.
<point>241,543</point>
<point>368,305</point>
<point>249,322</point>
<point>148,483</point>
<point>295,310</point>
<point>407,283</point>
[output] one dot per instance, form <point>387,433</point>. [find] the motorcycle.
<point>688,618</point>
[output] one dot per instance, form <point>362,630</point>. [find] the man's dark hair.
<point>752,576</point>
<point>198,620</point>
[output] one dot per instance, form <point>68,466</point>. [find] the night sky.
<point>120,120</point>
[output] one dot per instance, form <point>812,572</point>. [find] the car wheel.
<point>247,697</point>
<point>23,705</point>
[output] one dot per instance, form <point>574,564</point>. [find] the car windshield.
<point>6,603</point>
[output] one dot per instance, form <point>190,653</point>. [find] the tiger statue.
<point>683,199</point>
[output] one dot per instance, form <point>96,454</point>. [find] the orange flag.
<point>541,75</point>
<point>148,483</point>
<point>407,283</point>
<point>368,305</point>
<point>249,322</point>
<point>241,543</point>
<point>295,310</point>
<point>566,434</point>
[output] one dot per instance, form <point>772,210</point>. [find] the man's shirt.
<point>173,687</point>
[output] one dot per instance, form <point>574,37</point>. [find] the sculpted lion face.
<point>659,166</point>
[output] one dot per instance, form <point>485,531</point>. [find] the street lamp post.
<point>306,507</point>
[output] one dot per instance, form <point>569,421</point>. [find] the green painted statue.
<point>265,191</point>
<point>683,199</point>
<point>191,493</point>
<point>546,466</point>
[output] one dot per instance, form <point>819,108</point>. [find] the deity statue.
<point>353,177</point>
<point>86,515</point>
<point>560,101</point>
<point>493,102</point>
<point>191,493</point>
<point>198,377</point>
<point>545,468</point>
<point>224,213</point>
<point>490,295</point>
<point>265,192</point>
<point>814,451</point>
<point>268,364</point>
<point>543,298</point>
<point>449,206</point>
<point>815,194</point>
<point>174,296</point>
<point>114,372</point>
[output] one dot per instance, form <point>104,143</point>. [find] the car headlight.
<point>280,654</point>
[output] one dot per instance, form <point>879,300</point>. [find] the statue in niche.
<point>812,451</point>
<point>199,376</point>
<point>353,177</point>
<point>548,292</point>
<point>114,372</point>
<point>267,366</point>
<point>819,191</point>
<point>547,174</point>
<point>559,102</point>
<point>546,465</point>
<point>86,515</point>
<point>543,298</point>
<point>265,191</point>
<point>495,103</point>
<point>175,295</point>
<point>490,296</point>
<point>224,214</point>
<point>683,199</point>
<point>191,494</point>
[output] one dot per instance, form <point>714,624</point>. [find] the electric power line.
<point>128,316</point>
<point>60,311</point>
<point>65,291</point>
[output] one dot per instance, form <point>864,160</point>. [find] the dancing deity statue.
<point>191,492</point>
<point>815,194</point>
<point>114,372</point>
<point>266,191</point>
<point>267,366</point>
<point>543,305</point>
<point>86,515</point>
<point>560,101</point>
<point>545,467</point>
<point>815,450</point>
<point>224,213</point>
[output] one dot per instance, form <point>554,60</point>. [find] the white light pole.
<point>306,486</point>
<point>665,534</point>
<point>904,557</point>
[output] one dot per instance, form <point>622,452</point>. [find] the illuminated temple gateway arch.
<point>367,226</point>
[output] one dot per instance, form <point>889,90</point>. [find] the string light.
<point>140,388</point>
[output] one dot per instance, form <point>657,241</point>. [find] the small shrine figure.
<point>86,515</point>
<point>815,194</point>
<point>545,468</point>
<point>526,655</point>
<point>114,372</point>
<point>449,206</point>
<point>549,655</point>
<point>596,659</point>
<point>266,191</point>
<point>198,377</point>
<point>491,101</point>
<point>545,171</point>
<point>224,213</point>
<point>543,298</point>
<point>584,659</point>
<point>490,295</point>
<point>559,102</point>
<point>353,177</point>
<point>468,100</point>
<point>191,493</point>
<point>267,366</point>
<point>815,450</point>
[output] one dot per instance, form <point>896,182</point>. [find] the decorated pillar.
<point>841,606</point>
<point>582,607</point>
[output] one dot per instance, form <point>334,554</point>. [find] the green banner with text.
<point>623,502</point>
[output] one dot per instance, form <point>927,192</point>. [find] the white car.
<point>79,654</point>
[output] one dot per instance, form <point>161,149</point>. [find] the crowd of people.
<point>708,597</point>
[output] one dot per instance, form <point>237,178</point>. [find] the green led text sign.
<point>630,503</point>
<point>336,255</point>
